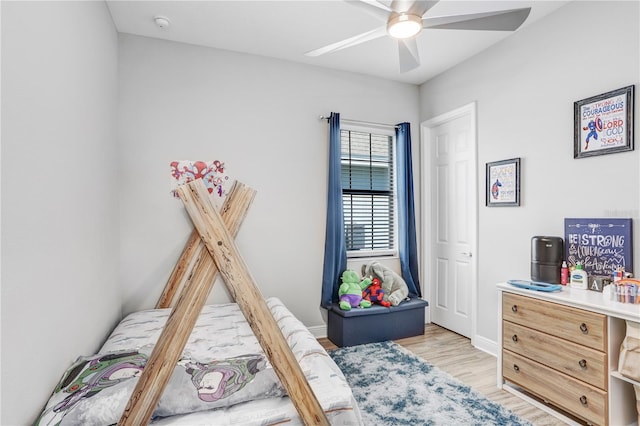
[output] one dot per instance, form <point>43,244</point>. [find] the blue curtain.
<point>407,246</point>
<point>335,247</point>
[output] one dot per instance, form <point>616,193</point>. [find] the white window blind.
<point>368,191</point>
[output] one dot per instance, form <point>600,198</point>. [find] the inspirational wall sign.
<point>603,124</point>
<point>601,245</point>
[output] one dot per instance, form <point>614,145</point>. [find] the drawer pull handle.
<point>515,338</point>
<point>516,368</point>
<point>582,363</point>
<point>584,328</point>
<point>583,400</point>
<point>514,308</point>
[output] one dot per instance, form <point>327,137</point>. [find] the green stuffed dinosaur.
<point>350,291</point>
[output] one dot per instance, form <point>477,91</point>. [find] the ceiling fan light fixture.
<point>404,26</point>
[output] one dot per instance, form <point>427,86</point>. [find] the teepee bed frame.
<point>210,250</point>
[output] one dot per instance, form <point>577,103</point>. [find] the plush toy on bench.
<point>350,291</point>
<point>395,288</point>
<point>375,294</point>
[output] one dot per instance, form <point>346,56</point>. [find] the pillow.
<point>95,389</point>
<point>629,360</point>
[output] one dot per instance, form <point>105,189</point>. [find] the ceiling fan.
<point>405,20</point>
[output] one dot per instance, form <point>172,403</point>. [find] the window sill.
<point>372,254</point>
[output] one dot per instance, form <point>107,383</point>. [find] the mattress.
<point>222,378</point>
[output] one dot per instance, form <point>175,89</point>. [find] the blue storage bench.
<point>375,324</point>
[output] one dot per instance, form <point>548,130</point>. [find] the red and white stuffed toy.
<point>375,294</point>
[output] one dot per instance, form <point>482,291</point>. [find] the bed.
<point>222,378</point>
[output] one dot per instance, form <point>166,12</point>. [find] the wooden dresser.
<point>560,351</point>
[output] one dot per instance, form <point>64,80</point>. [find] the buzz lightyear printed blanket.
<point>222,377</point>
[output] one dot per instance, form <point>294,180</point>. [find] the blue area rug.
<point>395,387</point>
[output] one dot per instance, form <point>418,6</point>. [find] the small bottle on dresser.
<point>564,273</point>
<point>579,277</point>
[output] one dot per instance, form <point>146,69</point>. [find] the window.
<point>368,196</point>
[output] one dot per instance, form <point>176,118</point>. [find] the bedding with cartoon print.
<point>222,377</point>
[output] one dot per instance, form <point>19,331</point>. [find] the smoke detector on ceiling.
<point>162,21</point>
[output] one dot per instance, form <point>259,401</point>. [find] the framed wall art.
<point>503,183</point>
<point>603,124</point>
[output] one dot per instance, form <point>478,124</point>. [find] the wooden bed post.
<point>184,315</point>
<point>219,242</point>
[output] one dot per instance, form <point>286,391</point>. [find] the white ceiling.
<point>288,29</point>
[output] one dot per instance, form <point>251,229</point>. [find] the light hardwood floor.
<point>455,354</point>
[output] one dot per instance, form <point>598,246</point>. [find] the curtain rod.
<point>368,123</point>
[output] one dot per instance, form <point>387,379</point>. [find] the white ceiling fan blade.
<point>504,20</point>
<point>412,7</point>
<point>408,54</point>
<point>353,41</point>
<point>378,4</point>
<point>374,8</point>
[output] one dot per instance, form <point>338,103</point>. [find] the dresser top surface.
<point>585,299</point>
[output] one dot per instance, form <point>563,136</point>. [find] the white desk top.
<point>585,299</point>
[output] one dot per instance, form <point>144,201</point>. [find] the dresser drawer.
<point>583,363</point>
<point>573,396</point>
<point>576,325</point>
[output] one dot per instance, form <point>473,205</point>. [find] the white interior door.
<point>449,219</point>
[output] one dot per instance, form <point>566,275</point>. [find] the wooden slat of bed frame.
<point>197,285</point>
<point>193,248</point>
<point>219,242</point>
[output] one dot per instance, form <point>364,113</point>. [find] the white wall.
<point>261,118</point>
<point>525,88</point>
<point>88,223</point>
<point>60,297</point>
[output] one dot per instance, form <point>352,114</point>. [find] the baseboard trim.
<point>318,331</point>
<point>485,345</point>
